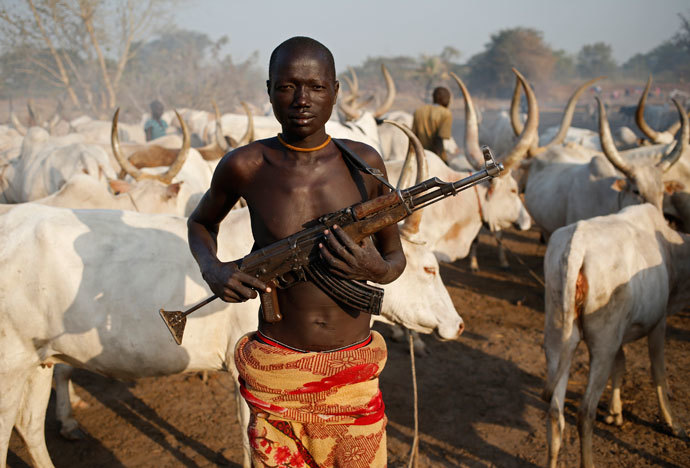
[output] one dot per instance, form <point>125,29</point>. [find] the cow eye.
<point>430,270</point>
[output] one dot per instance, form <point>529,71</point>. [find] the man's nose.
<point>302,96</point>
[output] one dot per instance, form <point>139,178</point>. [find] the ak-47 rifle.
<point>296,257</point>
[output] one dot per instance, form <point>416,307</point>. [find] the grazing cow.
<point>162,272</point>
<point>45,163</point>
<point>562,189</point>
<point>472,159</point>
<point>102,277</point>
<point>610,280</point>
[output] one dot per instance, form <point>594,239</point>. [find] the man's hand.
<point>351,260</point>
<point>231,284</point>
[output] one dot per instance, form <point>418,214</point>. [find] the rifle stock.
<point>284,262</point>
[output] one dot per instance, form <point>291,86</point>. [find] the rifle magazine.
<point>356,295</point>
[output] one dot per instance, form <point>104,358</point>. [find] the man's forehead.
<point>292,55</point>
<point>289,56</point>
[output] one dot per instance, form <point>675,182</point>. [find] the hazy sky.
<point>357,29</point>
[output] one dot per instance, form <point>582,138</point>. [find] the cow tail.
<point>567,287</point>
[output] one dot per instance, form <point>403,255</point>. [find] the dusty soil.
<point>479,402</point>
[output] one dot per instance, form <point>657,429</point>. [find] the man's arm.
<point>149,133</point>
<point>224,278</point>
<point>381,260</point>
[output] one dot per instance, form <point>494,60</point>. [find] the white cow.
<point>413,312</point>
<point>92,300</point>
<point>610,280</point>
<point>45,163</point>
<point>562,189</point>
<point>473,160</point>
<point>450,227</point>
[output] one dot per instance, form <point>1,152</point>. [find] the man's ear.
<point>337,88</point>
<point>268,90</point>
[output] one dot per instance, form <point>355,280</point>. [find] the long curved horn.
<point>674,127</point>
<point>53,123</point>
<point>682,143</point>
<point>350,84</point>
<point>220,138</point>
<point>248,136</point>
<point>390,95</point>
<point>420,157</point>
<point>179,161</point>
<point>411,224</point>
<point>608,145</point>
<point>519,151</point>
<point>639,113</point>
<point>348,110</point>
<point>515,122</point>
<point>34,118</point>
<point>124,163</point>
<point>569,111</point>
<point>473,152</point>
<point>21,129</point>
<point>355,82</point>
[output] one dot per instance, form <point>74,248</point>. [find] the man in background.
<point>155,127</point>
<point>433,123</point>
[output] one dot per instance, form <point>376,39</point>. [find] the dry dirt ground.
<point>479,402</point>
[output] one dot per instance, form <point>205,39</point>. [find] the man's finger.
<point>244,292</point>
<point>336,247</point>
<point>331,259</point>
<point>250,280</point>
<point>344,238</point>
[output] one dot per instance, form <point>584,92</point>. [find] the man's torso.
<point>282,195</point>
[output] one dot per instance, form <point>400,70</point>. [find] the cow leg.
<point>243,419</point>
<point>502,257</point>
<point>656,356</point>
<point>600,364</point>
<point>12,384</point>
<point>556,387</point>
<point>65,397</point>
<point>31,418</point>
<point>398,336</point>
<point>474,265</point>
<point>615,415</point>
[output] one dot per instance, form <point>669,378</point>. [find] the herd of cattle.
<point>94,243</point>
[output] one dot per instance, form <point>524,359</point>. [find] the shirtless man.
<point>287,181</point>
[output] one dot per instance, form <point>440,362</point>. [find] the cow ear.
<point>673,186</point>
<point>119,186</point>
<point>172,190</point>
<point>619,185</point>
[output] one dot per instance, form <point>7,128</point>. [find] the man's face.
<point>302,91</point>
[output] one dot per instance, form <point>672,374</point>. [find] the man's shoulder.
<point>441,110</point>
<point>368,154</point>
<point>252,154</point>
<point>241,163</point>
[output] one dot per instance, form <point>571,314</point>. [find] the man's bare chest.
<point>282,200</point>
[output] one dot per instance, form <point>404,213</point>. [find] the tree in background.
<point>101,54</point>
<point>564,68</point>
<point>185,69</point>
<point>81,46</point>
<point>522,48</point>
<point>669,61</point>
<point>595,60</point>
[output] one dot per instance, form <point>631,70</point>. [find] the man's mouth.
<point>302,118</point>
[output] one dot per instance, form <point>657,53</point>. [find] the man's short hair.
<point>441,96</point>
<point>302,43</point>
